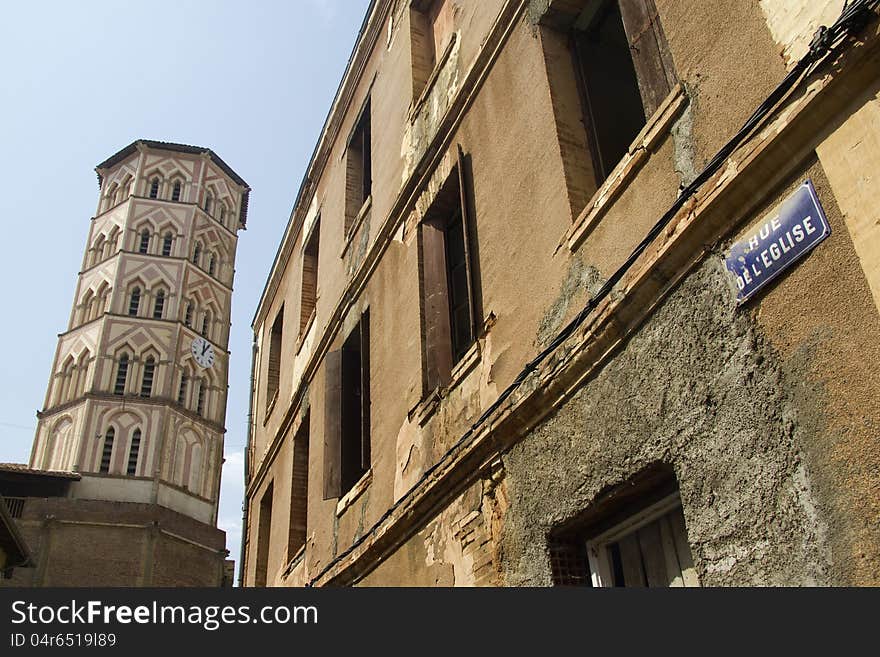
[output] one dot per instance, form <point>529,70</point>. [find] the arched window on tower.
<point>107,452</point>
<point>167,242</point>
<point>97,251</point>
<point>181,390</point>
<point>121,375</point>
<point>112,242</point>
<point>85,308</point>
<point>103,300</point>
<point>111,197</point>
<point>83,367</point>
<point>154,187</point>
<point>176,190</point>
<point>200,401</point>
<point>223,214</point>
<point>147,380</point>
<point>126,188</point>
<point>209,202</point>
<point>188,316</point>
<point>133,453</point>
<point>144,244</point>
<point>159,305</point>
<point>211,264</point>
<point>197,253</point>
<point>66,381</point>
<point>134,302</point>
<point>206,324</point>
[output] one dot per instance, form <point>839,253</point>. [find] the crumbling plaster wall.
<point>752,407</point>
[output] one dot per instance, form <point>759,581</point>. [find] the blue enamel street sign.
<point>776,244</point>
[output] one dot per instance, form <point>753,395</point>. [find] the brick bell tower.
<point>136,402</point>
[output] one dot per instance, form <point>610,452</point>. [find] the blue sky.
<point>252,81</point>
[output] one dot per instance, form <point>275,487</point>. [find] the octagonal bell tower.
<point>136,402</point>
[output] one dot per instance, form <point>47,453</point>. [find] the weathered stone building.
<point>486,190</point>
<point>136,404</point>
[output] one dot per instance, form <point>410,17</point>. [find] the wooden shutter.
<point>469,229</point>
<point>365,391</point>
<point>333,424</point>
<point>650,55</point>
<point>438,350</point>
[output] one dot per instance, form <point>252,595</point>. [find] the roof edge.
<point>120,155</point>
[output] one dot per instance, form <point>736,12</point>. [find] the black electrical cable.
<point>855,15</point>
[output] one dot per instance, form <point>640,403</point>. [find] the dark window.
<point>181,391</point>
<point>154,188</point>
<point>206,323</point>
<point>133,452</point>
<point>273,374</point>
<point>147,381</point>
<point>175,191</point>
<point>633,536</point>
<point>197,253</point>
<point>625,73</point>
<point>188,316</point>
<point>144,245</point>
<point>347,407</point>
<point>159,305</point>
<point>107,452</point>
<point>134,302</point>
<point>299,491</point>
<point>359,168</point>
<point>309,278</point>
<point>209,202</point>
<point>223,214</point>
<point>430,32</point>
<point>200,400</point>
<point>448,269</point>
<point>264,530</point>
<point>167,241</point>
<point>121,375</point>
<point>211,265</point>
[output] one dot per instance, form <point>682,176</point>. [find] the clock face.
<point>202,352</point>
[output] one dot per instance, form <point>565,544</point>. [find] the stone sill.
<point>428,405</point>
<point>349,236</point>
<point>658,126</point>
<point>356,491</point>
<point>432,79</point>
<point>294,562</point>
<point>305,332</point>
<point>271,406</point>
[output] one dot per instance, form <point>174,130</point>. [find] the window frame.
<point>159,304</point>
<point>134,301</point>
<point>441,351</point>
<point>167,244</point>
<point>599,562</point>
<point>653,69</point>
<point>144,241</point>
<point>309,277</point>
<point>359,168</point>
<point>134,453</point>
<point>120,382</point>
<point>297,530</point>
<point>347,439</point>
<point>107,454</point>
<point>148,377</point>
<point>274,360</point>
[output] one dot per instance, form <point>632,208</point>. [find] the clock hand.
<point>205,348</point>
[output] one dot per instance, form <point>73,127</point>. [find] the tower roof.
<point>169,146</point>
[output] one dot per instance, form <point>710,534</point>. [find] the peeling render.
<point>698,388</point>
